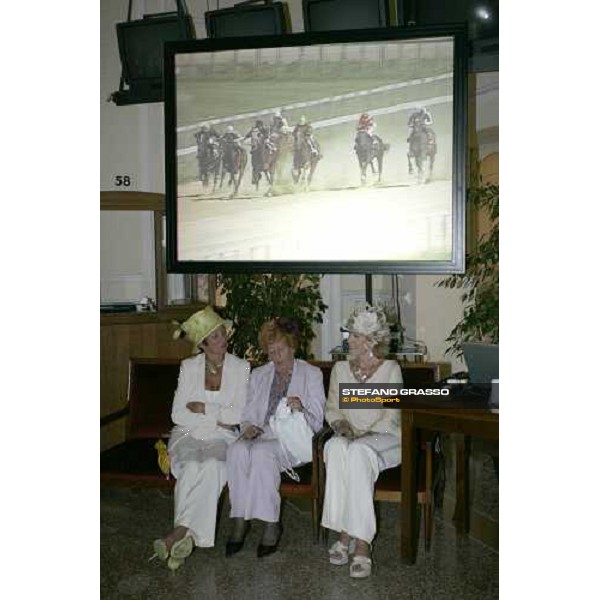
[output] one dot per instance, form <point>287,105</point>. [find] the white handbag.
<point>293,432</point>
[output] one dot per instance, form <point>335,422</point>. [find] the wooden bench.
<point>152,384</point>
<point>151,387</point>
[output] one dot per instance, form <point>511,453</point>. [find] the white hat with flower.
<point>369,321</point>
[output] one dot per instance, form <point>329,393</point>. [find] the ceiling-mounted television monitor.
<point>244,19</point>
<point>335,15</point>
<point>482,22</point>
<point>141,52</point>
<point>340,152</point>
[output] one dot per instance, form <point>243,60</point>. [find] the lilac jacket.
<point>306,383</point>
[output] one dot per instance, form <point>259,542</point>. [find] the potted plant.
<point>481,279</point>
<point>254,298</point>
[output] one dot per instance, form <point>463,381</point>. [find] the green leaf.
<point>253,299</point>
<point>481,279</point>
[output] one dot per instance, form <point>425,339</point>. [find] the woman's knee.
<point>361,454</point>
<point>190,469</point>
<point>214,465</point>
<point>335,449</point>
<point>364,462</point>
<point>236,452</point>
<point>264,454</point>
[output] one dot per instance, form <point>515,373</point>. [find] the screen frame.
<point>456,264</point>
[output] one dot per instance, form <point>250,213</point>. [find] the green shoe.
<point>160,549</point>
<point>175,563</point>
<point>183,548</point>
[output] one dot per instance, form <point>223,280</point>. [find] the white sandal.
<point>338,554</point>
<point>360,567</point>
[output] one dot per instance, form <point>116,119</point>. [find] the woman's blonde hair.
<point>277,329</point>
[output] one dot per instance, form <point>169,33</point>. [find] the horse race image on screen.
<point>320,153</point>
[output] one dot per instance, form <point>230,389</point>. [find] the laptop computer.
<point>482,362</point>
<point>483,365</point>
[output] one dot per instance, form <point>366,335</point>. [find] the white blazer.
<point>226,408</point>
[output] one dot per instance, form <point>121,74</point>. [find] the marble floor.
<point>457,568</point>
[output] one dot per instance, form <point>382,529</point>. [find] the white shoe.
<point>360,567</point>
<point>338,554</point>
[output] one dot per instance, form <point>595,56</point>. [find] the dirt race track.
<point>393,222</point>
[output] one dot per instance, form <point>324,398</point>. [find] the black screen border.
<point>459,159</point>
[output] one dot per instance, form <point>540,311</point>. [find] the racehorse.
<point>421,147</point>
<point>283,145</point>
<point>234,163</point>
<point>304,161</point>
<point>209,157</point>
<point>369,149</point>
<point>263,156</point>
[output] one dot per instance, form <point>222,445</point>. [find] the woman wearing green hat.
<point>207,408</point>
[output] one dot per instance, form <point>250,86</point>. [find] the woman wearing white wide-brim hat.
<point>207,409</point>
<point>366,442</point>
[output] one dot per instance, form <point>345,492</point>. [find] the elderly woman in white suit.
<point>207,409</point>
<point>254,463</point>
<point>366,442</point>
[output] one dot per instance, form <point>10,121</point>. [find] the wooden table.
<point>463,416</point>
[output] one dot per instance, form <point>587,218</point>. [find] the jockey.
<point>423,117</point>
<point>232,136</point>
<point>304,129</point>
<point>258,131</point>
<point>366,123</point>
<point>213,137</point>
<point>279,123</point>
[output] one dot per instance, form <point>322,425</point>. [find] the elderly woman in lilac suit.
<point>256,460</point>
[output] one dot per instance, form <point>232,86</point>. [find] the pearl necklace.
<point>361,374</point>
<point>212,368</point>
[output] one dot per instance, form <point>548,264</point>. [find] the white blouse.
<point>363,420</point>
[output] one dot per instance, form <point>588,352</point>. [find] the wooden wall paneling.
<point>120,342</point>
<point>159,263</point>
<point>149,335</point>
<point>110,400</point>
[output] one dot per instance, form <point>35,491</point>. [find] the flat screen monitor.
<point>267,19</point>
<point>335,15</point>
<point>481,17</point>
<point>141,51</point>
<point>340,152</point>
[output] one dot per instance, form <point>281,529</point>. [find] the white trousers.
<point>352,470</point>
<point>201,476</point>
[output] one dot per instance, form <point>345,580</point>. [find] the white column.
<point>331,291</point>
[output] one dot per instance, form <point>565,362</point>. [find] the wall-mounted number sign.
<point>122,180</point>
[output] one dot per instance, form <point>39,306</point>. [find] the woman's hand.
<point>251,432</point>
<point>343,428</point>
<point>295,403</point>
<point>196,407</point>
